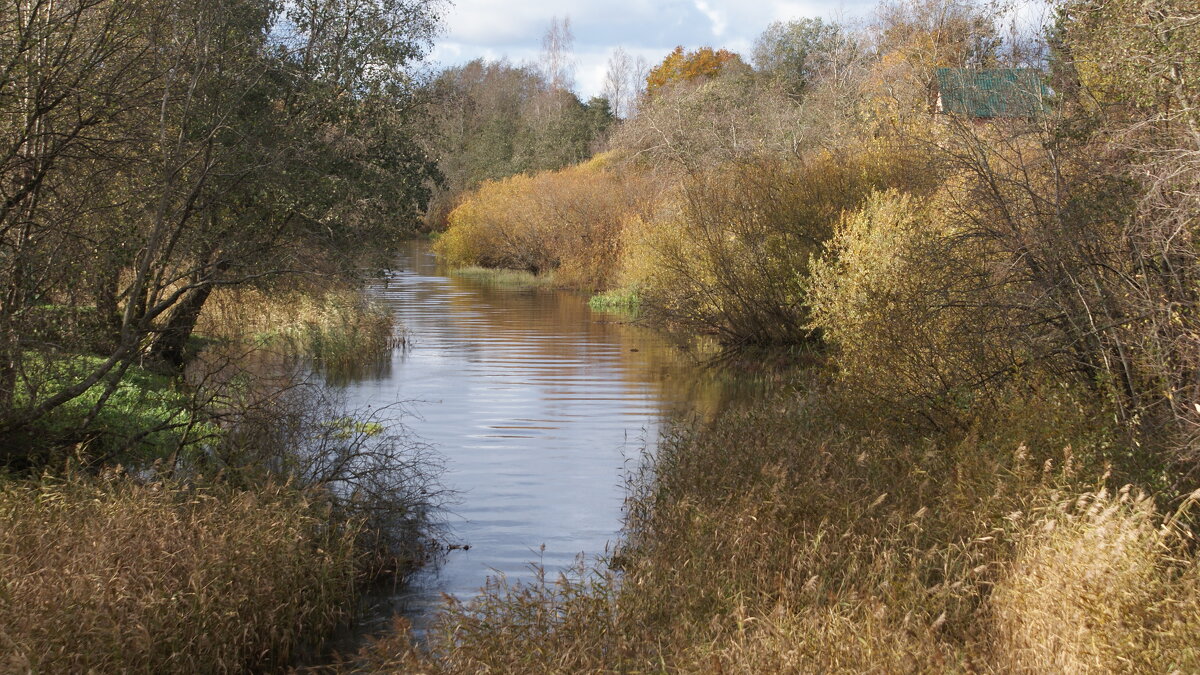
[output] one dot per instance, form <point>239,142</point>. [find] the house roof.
<point>991,92</point>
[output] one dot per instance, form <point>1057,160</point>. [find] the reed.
<point>506,277</point>
<point>337,327</point>
<point>111,574</point>
<point>618,301</point>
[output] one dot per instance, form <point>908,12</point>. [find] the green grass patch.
<point>618,301</point>
<point>505,277</point>
<point>147,415</point>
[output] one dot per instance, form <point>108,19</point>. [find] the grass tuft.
<point>505,277</point>
<point>619,301</point>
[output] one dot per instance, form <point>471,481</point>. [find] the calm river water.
<point>536,404</point>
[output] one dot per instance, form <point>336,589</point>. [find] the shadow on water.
<point>536,404</point>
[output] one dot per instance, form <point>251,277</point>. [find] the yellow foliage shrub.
<point>568,220</point>
<point>915,310</point>
<point>729,251</point>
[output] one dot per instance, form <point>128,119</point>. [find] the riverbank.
<point>116,574</point>
<point>803,535</point>
<point>225,517</point>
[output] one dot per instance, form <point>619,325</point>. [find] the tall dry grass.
<point>113,575</point>
<point>1101,583</point>
<point>801,537</point>
<point>337,327</point>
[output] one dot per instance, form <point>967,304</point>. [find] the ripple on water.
<point>535,403</point>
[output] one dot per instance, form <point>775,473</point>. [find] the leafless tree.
<point>622,83</point>
<point>558,59</point>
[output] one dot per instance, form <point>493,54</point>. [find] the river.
<point>536,404</point>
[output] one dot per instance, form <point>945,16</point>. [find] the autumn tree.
<point>1138,91</point>
<point>694,66</point>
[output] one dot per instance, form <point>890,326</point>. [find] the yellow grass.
<point>110,575</point>
<point>337,327</point>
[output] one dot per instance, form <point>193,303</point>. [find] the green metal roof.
<point>992,92</point>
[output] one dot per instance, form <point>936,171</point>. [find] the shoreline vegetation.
<point>976,246</point>
<point>984,247</point>
<point>191,199</point>
<point>800,535</point>
<point>242,542</point>
<point>489,276</point>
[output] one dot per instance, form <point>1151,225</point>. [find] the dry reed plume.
<point>338,327</point>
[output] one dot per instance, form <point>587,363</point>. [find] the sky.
<point>649,28</point>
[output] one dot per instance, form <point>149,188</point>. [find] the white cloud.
<point>790,11</point>
<point>719,24</point>
<point>647,28</point>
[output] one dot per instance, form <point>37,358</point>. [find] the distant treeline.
<point>491,120</point>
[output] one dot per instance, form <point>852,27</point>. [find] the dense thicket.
<point>953,250</point>
<point>153,151</point>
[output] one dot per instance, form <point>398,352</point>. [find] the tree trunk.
<point>169,348</point>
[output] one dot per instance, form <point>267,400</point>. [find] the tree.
<point>160,149</point>
<point>1140,53</point>
<point>558,61</point>
<point>623,82</point>
<point>935,33</point>
<point>796,53</point>
<point>699,65</point>
<point>491,120</point>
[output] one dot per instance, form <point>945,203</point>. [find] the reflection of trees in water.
<point>557,329</point>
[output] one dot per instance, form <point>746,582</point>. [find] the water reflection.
<point>535,402</point>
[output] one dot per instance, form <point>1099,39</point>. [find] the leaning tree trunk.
<point>169,348</point>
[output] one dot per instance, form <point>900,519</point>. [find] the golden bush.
<point>728,252</point>
<point>915,310</point>
<point>569,221</point>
